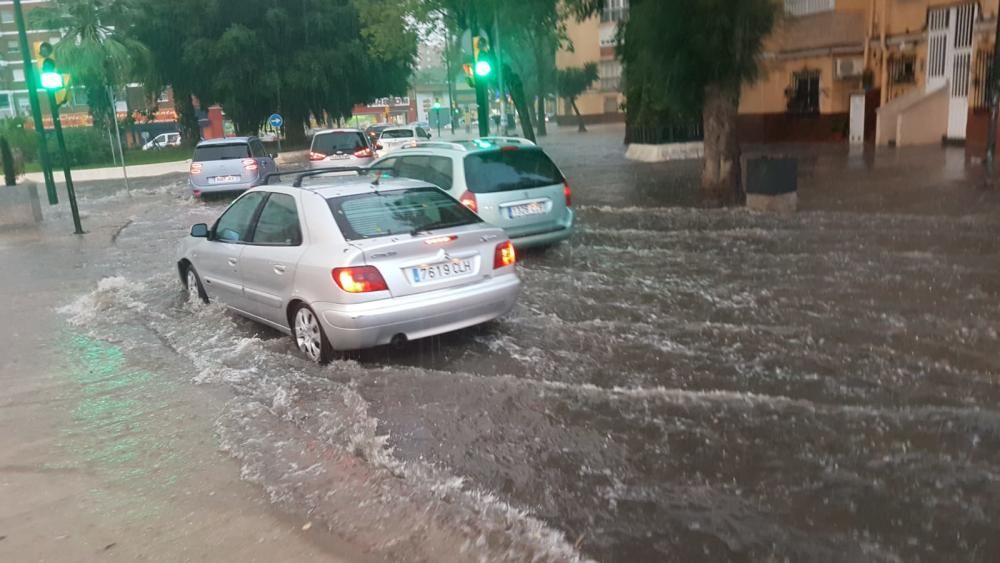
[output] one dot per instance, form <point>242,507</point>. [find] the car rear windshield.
<point>507,170</point>
<point>221,152</point>
<point>344,141</point>
<point>385,213</point>
<point>397,134</point>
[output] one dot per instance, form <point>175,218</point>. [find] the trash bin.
<point>771,183</point>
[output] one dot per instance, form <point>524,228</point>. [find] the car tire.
<point>309,336</point>
<point>197,292</point>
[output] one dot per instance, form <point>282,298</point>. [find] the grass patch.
<point>132,158</point>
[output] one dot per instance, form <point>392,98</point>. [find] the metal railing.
<point>807,7</point>
<point>678,132</point>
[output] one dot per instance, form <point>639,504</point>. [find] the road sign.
<point>275,120</point>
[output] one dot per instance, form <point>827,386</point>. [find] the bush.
<point>23,141</point>
<point>84,145</point>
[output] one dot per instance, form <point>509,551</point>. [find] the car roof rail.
<point>507,140</point>
<point>301,175</point>
<point>436,145</point>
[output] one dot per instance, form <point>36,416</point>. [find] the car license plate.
<point>442,270</point>
<point>533,208</point>
<point>223,179</point>
<point>339,157</point>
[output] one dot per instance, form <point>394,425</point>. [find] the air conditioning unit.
<point>850,68</point>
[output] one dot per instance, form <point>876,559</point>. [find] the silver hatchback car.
<point>230,164</point>
<point>340,147</point>
<point>509,182</point>
<point>352,265</point>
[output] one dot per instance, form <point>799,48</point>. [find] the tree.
<point>692,58</point>
<point>573,82</point>
<point>94,52</point>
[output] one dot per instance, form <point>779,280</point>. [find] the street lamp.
<point>53,82</point>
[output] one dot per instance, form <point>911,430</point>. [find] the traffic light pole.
<point>57,125</point>
<point>36,108</point>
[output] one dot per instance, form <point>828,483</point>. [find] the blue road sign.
<point>275,120</point>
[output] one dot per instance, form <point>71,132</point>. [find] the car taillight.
<point>316,156</point>
<point>249,164</point>
<point>359,279</point>
<point>195,168</point>
<point>504,255</point>
<point>468,199</point>
<point>568,193</point>
<point>363,153</point>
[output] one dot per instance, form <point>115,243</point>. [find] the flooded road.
<point>674,384</point>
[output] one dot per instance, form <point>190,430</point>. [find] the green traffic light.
<point>483,68</point>
<point>52,81</point>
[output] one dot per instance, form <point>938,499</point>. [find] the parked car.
<point>340,147</point>
<point>373,131</point>
<point>162,141</point>
<point>231,164</point>
<point>352,265</point>
<point>397,137</point>
<point>509,182</point>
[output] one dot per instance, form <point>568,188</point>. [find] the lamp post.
<point>52,81</point>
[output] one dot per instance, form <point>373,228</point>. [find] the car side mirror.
<point>200,230</point>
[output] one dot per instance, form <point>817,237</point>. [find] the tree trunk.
<point>520,103</point>
<point>720,180</point>
<point>579,118</point>
<point>542,75</point>
<point>187,119</point>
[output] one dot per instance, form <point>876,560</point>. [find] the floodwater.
<point>675,384</point>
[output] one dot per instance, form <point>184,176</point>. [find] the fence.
<point>679,132</point>
<point>806,7</point>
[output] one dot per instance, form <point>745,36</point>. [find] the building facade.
<point>916,70</point>
<point>593,40</point>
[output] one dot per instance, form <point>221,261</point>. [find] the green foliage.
<point>94,52</point>
<point>258,56</point>
<point>673,50</point>
<point>21,139</point>
<point>574,81</point>
<point>84,145</point>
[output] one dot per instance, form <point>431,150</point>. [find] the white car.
<point>397,137</point>
<point>162,141</point>
<point>356,264</point>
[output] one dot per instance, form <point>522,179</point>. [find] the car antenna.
<point>378,178</point>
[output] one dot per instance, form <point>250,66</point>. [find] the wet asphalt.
<point>676,384</point>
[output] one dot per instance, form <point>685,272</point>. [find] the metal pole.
<point>448,53</point>
<point>70,191</point>
<point>991,134</point>
<point>121,151</point>
<point>111,143</point>
<point>499,60</point>
<point>36,108</point>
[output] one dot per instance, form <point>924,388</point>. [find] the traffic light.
<point>482,57</point>
<point>50,77</point>
<point>437,104</point>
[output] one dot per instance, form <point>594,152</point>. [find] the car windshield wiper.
<point>435,226</point>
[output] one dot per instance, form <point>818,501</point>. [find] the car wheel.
<point>195,291</point>
<point>309,336</point>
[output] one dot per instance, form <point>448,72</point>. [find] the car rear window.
<point>507,170</point>
<point>221,152</point>
<point>397,134</point>
<point>385,213</point>
<point>343,141</point>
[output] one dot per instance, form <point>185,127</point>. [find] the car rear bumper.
<point>558,233</point>
<point>365,325</point>
<point>198,190</point>
<point>348,163</point>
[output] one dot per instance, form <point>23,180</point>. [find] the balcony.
<point>797,8</point>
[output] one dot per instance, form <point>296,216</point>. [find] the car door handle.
<point>232,261</point>
<point>279,269</point>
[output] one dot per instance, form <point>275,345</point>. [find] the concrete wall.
<point>919,118</point>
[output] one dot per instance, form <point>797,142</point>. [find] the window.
<point>421,132</point>
<point>6,16</point>
<point>257,148</point>
<point>901,69</point>
<point>508,170</point>
<point>804,92</point>
<point>432,169</point>
<point>386,213</point>
<point>397,134</point>
<point>611,104</point>
<point>338,141</point>
<point>278,223</point>
<point>610,75</point>
<point>5,102</point>
<point>614,10</point>
<point>13,46</point>
<point>234,225</point>
<point>220,151</point>
<point>18,74</point>
<point>808,7</point>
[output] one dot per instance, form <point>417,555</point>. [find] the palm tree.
<point>573,82</point>
<point>95,54</point>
